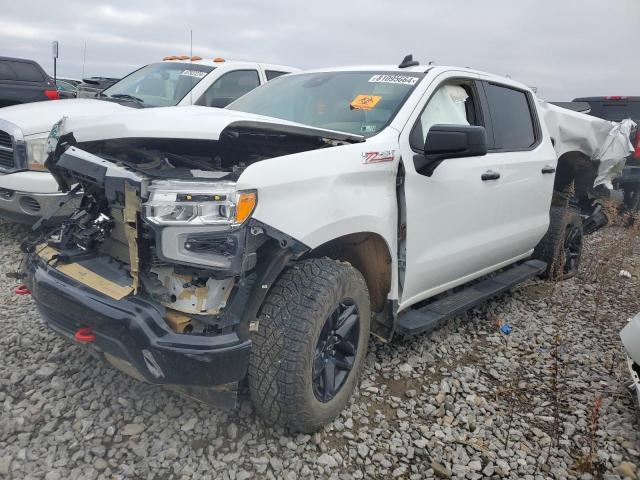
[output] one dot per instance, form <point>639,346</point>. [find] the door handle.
<point>490,175</point>
<point>548,169</point>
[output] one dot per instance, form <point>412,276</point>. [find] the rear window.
<point>511,117</point>
<point>21,71</point>
<point>615,110</point>
<point>271,74</point>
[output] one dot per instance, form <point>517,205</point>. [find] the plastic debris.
<point>506,328</point>
<point>624,274</point>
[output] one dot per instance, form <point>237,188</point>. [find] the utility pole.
<point>84,59</point>
<point>54,51</point>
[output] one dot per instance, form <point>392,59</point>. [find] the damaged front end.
<point>162,265</point>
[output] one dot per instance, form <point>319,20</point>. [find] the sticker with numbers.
<point>397,79</point>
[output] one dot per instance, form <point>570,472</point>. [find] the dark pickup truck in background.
<point>617,108</point>
<point>24,81</point>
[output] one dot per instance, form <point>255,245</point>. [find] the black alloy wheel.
<point>335,351</point>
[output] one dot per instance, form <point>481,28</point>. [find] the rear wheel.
<point>561,247</point>
<point>310,346</point>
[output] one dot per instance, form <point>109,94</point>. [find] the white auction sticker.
<point>194,73</point>
<point>400,79</point>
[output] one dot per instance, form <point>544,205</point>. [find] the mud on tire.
<point>286,356</point>
<point>561,247</point>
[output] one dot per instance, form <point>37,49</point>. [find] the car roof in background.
<point>230,63</point>
<point>613,98</point>
<point>14,59</point>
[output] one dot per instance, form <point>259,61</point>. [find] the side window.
<point>511,117</point>
<point>230,87</point>
<point>271,74</point>
<point>27,72</point>
<point>452,104</point>
<point>6,73</point>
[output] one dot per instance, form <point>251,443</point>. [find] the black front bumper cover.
<point>133,330</point>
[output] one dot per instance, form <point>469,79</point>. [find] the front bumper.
<point>27,195</point>
<point>133,336</point>
<point>28,208</point>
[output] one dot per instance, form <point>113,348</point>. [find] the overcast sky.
<point>566,48</point>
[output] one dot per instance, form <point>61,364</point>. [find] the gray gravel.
<point>546,401</point>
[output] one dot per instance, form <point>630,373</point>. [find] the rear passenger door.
<point>527,166</point>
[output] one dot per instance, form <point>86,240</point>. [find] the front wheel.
<point>310,345</point>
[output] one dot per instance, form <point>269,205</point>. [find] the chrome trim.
<point>6,149</point>
<point>19,146</point>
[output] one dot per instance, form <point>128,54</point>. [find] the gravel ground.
<point>547,400</point>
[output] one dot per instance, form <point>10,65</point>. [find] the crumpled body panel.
<point>604,142</point>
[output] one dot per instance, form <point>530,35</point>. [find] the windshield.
<point>159,84</point>
<point>362,103</point>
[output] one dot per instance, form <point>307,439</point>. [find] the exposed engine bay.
<point>162,220</point>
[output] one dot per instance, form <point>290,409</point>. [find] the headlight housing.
<point>36,153</point>
<point>39,148</point>
<point>181,203</point>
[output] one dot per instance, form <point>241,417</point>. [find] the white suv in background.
<point>27,190</point>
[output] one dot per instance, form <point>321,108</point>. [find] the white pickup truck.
<point>266,241</point>
<point>27,191</point>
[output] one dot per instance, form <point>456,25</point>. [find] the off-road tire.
<point>551,248</point>
<point>284,345</point>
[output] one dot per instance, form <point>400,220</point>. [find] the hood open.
<point>183,143</point>
<point>189,122</point>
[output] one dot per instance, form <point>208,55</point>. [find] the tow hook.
<point>22,290</point>
<point>84,335</point>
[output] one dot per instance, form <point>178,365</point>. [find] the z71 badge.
<point>378,157</point>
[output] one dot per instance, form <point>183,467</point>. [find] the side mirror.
<point>454,141</point>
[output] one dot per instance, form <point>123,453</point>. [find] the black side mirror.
<point>454,141</point>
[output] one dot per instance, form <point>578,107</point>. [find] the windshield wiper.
<point>127,96</point>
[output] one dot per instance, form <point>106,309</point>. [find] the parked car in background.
<point>617,108</point>
<point>67,88</point>
<point>27,190</point>
<point>91,87</point>
<point>266,240</point>
<point>24,81</point>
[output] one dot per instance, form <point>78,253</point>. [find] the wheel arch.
<point>577,168</point>
<point>370,254</point>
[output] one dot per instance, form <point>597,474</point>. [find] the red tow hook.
<point>22,290</point>
<point>84,335</point>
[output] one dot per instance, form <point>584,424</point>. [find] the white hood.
<point>39,117</point>
<point>189,122</point>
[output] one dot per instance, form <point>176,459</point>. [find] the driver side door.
<point>453,211</point>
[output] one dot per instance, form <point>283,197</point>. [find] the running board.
<point>432,315</point>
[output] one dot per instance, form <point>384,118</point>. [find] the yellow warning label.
<point>365,102</point>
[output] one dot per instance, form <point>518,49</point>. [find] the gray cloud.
<point>565,48</point>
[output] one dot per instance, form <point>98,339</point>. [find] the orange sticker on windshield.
<point>365,102</point>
